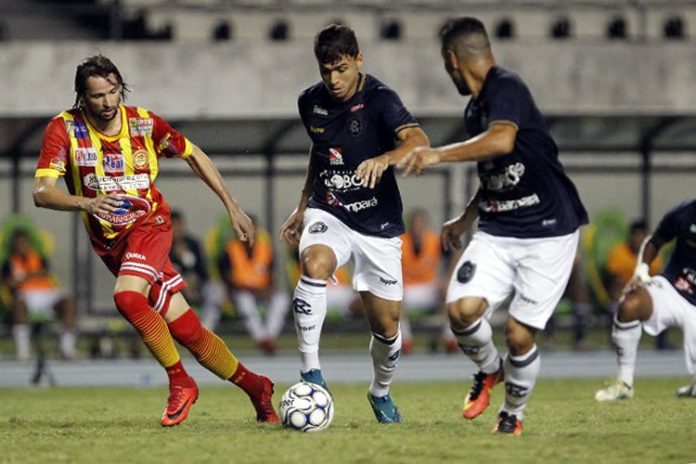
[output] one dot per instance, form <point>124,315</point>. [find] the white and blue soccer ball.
<point>306,407</point>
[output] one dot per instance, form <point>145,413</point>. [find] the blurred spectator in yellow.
<point>248,273</point>
<point>35,294</point>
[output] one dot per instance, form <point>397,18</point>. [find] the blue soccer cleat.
<point>314,376</point>
<point>385,409</point>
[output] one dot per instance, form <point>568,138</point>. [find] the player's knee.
<point>129,303</point>
<point>518,338</point>
<point>318,263</point>
<point>630,308</point>
<point>186,329</point>
<point>464,312</point>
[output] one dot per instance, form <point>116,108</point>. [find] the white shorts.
<point>422,296</point>
<point>41,302</point>
<point>671,309</point>
<point>534,270</point>
<point>376,260</point>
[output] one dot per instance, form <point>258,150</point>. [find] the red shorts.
<point>144,252</point>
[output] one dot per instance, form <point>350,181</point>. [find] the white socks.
<point>277,309</point>
<point>309,311</point>
<point>246,305</point>
<point>625,336</point>
<point>521,373</point>
<point>22,340</point>
<point>385,357</point>
<point>476,341</point>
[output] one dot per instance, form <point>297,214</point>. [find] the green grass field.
<point>563,425</point>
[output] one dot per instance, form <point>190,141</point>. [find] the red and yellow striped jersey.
<point>96,164</point>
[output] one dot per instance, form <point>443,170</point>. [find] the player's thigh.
<point>484,272</point>
<point>177,307</point>
<point>377,266</point>
<point>543,270</point>
<point>667,306</point>
<point>382,314</point>
<point>321,229</point>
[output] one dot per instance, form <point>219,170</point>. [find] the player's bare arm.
<point>291,229</point>
<point>204,168</point>
<point>498,140</point>
<point>47,195</point>
<point>371,170</point>
<point>453,229</point>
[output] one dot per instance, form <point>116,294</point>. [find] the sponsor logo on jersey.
<point>77,128</point>
<point>504,181</point>
<point>113,163</point>
<point>317,228</point>
<point>86,156</point>
<point>316,130</point>
<point>341,180</point>
<point>335,156</point>
<point>319,110</point>
<point>361,205</point>
<point>141,126</point>
<point>90,181</point>
<point>357,107</point>
<point>355,127</point>
<point>109,183</point>
<point>495,206</point>
<point>140,159</point>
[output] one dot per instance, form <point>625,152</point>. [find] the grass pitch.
<point>563,424</point>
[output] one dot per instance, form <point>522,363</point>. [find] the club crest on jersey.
<point>318,228</point>
<point>85,156</point>
<point>141,126</point>
<point>355,127</point>
<point>335,156</point>
<point>466,272</point>
<point>319,110</point>
<point>140,159</point>
<point>113,163</point>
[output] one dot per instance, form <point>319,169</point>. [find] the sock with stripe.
<point>625,336</point>
<point>476,341</point>
<point>521,373</point>
<point>309,311</point>
<point>153,331</point>
<point>385,357</point>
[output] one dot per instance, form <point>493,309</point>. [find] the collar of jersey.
<point>110,138</point>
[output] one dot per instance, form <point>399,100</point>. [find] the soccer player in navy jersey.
<point>350,206</point>
<point>659,302</point>
<point>529,214</point>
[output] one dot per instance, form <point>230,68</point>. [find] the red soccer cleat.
<point>508,423</point>
<point>181,398</point>
<point>263,403</point>
<point>407,347</point>
<point>479,396</point>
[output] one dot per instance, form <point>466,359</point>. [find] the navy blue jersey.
<point>344,134</point>
<point>526,193</point>
<point>680,223</point>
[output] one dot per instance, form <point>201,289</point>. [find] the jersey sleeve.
<point>169,142</point>
<point>391,111</point>
<point>508,102</point>
<point>668,226</point>
<point>55,149</point>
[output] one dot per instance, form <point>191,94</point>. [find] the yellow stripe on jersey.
<point>188,149</point>
<point>46,172</point>
<point>153,165</point>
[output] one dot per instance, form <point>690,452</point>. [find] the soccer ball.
<point>306,407</point>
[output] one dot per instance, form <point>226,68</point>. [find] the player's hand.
<point>451,235</point>
<point>370,171</point>
<point>417,159</point>
<point>104,204</point>
<point>291,230</point>
<point>641,276</point>
<point>243,225</point>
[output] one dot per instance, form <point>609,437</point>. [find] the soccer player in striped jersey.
<point>108,154</point>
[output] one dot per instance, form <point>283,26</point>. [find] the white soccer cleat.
<point>687,391</point>
<point>616,391</point>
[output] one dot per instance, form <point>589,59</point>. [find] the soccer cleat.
<point>263,403</point>
<point>687,391</point>
<point>181,398</point>
<point>508,423</point>
<point>407,347</point>
<point>314,376</point>
<point>385,409</point>
<point>615,391</point>
<point>479,396</point>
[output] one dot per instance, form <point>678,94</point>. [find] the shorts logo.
<point>317,228</point>
<point>388,281</point>
<point>466,272</point>
<point>140,159</point>
<point>355,127</point>
<point>113,163</point>
<point>300,306</point>
<point>131,255</point>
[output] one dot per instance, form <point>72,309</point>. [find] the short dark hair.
<point>96,65</point>
<point>335,41</point>
<point>459,28</point>
<point>639,225</point>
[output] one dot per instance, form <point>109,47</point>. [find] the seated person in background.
<point>421,256</point>
<point>188,259</point>
<point>621,262</point>
<point>36,292</point>
<point>248,273</point>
